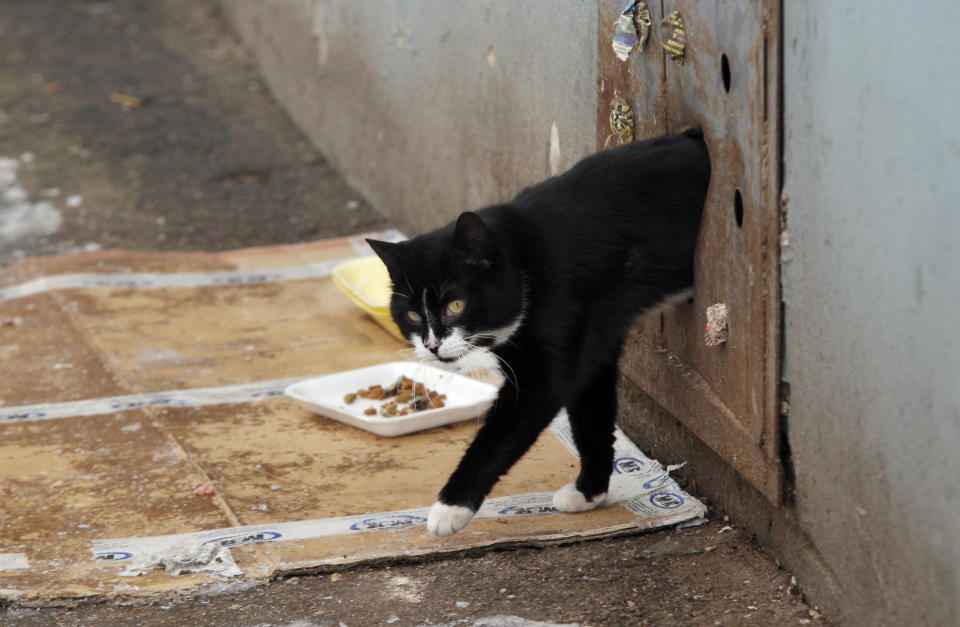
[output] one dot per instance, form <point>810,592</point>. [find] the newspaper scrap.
<point>641,19</point>
<point>676,43</point>
<point>621,119</point>
<point>715,331</point>
<point>631,29</point>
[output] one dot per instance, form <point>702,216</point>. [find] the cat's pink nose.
<point>433,348</point>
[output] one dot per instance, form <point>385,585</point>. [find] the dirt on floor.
<point>144,125</point>
<point>708,575</point>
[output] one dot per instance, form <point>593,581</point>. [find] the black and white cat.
<point>549,284</point>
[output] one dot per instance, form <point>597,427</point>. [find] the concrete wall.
<point>872,286</point>
<point>432,107</point>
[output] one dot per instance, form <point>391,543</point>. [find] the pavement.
<point>145,126</point>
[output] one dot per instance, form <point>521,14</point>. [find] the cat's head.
<point>454,291</point>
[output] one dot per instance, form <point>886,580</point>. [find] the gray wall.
<point>432,107</point>
<point>871,281</point>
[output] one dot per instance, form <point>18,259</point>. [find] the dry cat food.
<point>408,397</point>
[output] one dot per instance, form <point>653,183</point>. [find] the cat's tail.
<point>692,131</point>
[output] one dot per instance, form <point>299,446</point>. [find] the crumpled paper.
<point>715,331</point>
<point>210,559</point>
<point>631,29</point>
<point>676,42</point>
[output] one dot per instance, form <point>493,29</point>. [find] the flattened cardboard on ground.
<point>74,485</point>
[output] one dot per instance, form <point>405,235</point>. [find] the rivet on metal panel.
<point>716,328</point>
<point>621,119</point>
<point>676,43</point>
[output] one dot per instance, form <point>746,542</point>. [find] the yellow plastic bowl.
<point>367,283</point>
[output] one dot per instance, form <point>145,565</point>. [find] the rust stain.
<point>726,86</point>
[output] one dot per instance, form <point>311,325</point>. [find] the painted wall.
<point>433,107</point>
<point>872,289</point>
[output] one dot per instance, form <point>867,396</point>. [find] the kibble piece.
<point>389,409</point>
<point>349,398</point>
<point>370,411</point>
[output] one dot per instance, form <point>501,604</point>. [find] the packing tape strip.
<point>240,393</point>
<point>191,279</point>
<point>642,486</point>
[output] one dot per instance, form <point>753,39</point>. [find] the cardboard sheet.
<point>128,380</point>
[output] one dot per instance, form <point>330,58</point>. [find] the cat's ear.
<point>472,245</point>
<point>390,253</point>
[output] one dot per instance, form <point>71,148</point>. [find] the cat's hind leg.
<point>592,412</point>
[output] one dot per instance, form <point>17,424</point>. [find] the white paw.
<point>570,499</point>
<point>445,520</point>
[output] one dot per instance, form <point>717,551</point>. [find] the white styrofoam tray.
<point>466,398</point>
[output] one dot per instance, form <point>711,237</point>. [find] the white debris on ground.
<point>19,217</point>
<point>211,559</point>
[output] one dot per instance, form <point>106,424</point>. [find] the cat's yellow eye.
<point>456,307</point>
<point>413,316</point>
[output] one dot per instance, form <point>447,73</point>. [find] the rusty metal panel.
<point>728,84</point>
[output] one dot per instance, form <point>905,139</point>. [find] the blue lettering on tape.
<point>395,521</point>
<point>150,402</point>
<point>627,465</point>
<point>246,538</point>
<point>247,279</point>
<point>657,482</point>
<point>267,394</point>
<point>113,556</point>
<point>528,510</point>
<point>666,500</point>
<point>26,415</point>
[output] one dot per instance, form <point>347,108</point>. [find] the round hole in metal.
<point>738,208</point>
<point>725,72</point>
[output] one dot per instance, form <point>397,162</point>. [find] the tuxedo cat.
<point>548,284</point>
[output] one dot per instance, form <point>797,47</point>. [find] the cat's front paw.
<point>444,520</point>
<point>569,499</point>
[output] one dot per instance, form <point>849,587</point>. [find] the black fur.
<point>579,256</point>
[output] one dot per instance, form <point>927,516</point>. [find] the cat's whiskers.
<point>409,287</point>
<point>506,371</point>
<point>505,366</point>
<point>498,340</point>
<point>406,352</point>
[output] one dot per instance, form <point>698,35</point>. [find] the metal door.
<point>728,84</point>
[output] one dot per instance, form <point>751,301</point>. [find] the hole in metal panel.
<point>738,208</point>
<point>725,72</point>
